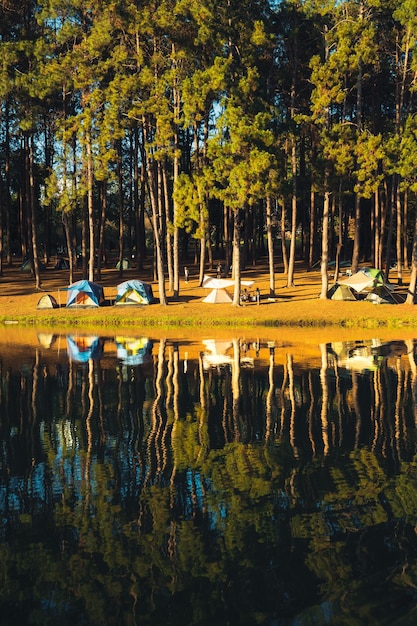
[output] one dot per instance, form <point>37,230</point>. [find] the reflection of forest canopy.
<point>145,491</point>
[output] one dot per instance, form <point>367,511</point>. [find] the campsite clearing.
<point>297,306</point>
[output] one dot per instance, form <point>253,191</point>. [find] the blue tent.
<point>134,292</point>
<point>84,293</point>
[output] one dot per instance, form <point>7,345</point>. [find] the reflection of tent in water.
<point>220,353</point>
<point>82,348</point>
<point>341,292</point>
<point>84,293</point>
<point>46,340</point>
<point>358,356</point>
<point>134,292</point>
<point>134,350</point>
<point>47,302</point>
<point>216,353</point>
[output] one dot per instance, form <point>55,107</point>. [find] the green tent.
<point>341,292</point>
<point>125,264</point>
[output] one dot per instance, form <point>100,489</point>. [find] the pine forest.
<point>178,132</point>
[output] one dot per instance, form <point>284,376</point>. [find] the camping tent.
<point>84,293</point>
<point>341,292</point>
<point>218,286</point>
<point>125,264</point>
<point>47,302</point>
<point>134,292</point>
<point>83,348</point>
<point>218,296</point>
<point>62,264</point>
<point>134,350</point>
<point>365,279</point>
<point>27,266</point>
<point>381,294</point>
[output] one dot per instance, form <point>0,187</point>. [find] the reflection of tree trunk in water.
<point>70,391</point>
<point>340,409</point>
<point>227,413</point>
<point>169,376</point>
<point>34,398</point>
<point>236,389</point>
<point>100,403</point>
<point>173,367</point>
<point>386,412</point>
<point>290,370</point>
<point>35,384</point>
<point>376,409</point>
<point>89,431</point>
<point>413,367</point>
<point>202,424</point>
<point>270,395</point>
<point>282,429</point>
<point>310,415</point>
<point>356,407</point>
<point>324,399</point>
<point>397,412</point>
<point>152,447</point>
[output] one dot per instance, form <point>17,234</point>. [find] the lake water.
<point>187,482</point>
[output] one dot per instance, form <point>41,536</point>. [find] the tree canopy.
<point>165,129</point>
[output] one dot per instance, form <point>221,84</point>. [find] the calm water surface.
<point>208,483</point>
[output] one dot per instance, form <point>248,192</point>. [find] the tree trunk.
<point>290,276</point>
<point>236,257</point>
<point>356,238</point>
<point>283,238</point>
<point>399,236</point>
<point>312,232</point>
<point>325,246</point>
<point>413,277</point>
<point>32,211</point>
<point>90,205</point>
<point>270,240</point>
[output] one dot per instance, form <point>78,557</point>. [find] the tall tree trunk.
<point>325,244</point>
<point>236,257</point>
<point>312,231</point>
<point>290,276</point>
<point>411,294</point>
<point>283,237</point>
<point>121,209</point>
<point>270,240</point>
<point>155,183</point>
<point>399,235</point>
<point>164,202</point>
<point>32,211</point>
<point>356,237</point>
<point>9,255</point>
<point>175,174</point>
<point>90,205</point>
